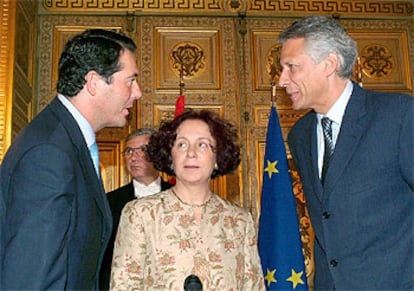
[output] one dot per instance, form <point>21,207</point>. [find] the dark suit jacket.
<point>55,218</point>
<point>363,215</point>
<point>117,200</point>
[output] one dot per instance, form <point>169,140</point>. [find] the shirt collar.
<point>142,190</point>
<point>157,182</point>
<point>337,111</point>
<point>85,127</point>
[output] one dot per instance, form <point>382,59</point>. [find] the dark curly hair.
<point>225,134</point>
<point>93,50</point>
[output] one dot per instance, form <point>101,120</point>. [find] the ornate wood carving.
<point>379,8</point>
<point>384,60</point>
<point>195,52</point>
<point>187,59</point>
<point>377,61</point>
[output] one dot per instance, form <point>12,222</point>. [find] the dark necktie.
<point>329,147</point>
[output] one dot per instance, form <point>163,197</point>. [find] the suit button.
<point>326,215</point>
<point>334,263</point>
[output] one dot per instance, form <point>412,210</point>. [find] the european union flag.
<point>280,245</point>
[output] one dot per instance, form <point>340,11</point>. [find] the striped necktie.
<point>93,149</point>
<point>329,146</point>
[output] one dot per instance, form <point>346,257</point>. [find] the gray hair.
<point>323,36</point>
<point>139,132</point>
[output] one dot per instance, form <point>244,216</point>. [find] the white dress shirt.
<point>141,190</point>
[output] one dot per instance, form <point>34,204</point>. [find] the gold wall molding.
<point>379,8</point>
<point>24,62</point>
<point>7,29</point>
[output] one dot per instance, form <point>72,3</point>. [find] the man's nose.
<point>283,79</point>
<point>136,91</point>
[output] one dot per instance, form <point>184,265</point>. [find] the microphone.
<point>192,283</point>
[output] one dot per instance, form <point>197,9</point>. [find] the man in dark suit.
<point>145,181</point>
<point>356,167</point>
<point>55,218</point>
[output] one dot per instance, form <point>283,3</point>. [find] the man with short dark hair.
<point>55,218</point>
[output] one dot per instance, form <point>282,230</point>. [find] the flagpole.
<point>273,96</point>
<point>182,85</point>
<point>180,102</point>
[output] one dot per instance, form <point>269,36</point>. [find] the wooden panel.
<point>384,60</point>
<point>110,163</point>
<point>206,73</point>
<point>24,65</point>
<point>166,112</point>
<point>262,44</point>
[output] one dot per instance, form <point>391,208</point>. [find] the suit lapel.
<point>353,126</point>
<point>95,186</point>
<point>313,165</point>
<point>130,191</point>
<point>307,151</point>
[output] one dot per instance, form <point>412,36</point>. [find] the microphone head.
<point>192,283</point>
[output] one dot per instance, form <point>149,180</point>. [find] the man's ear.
<point>92,78</point>
<point>331,64</point>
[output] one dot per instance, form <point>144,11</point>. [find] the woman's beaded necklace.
<point>189,204</point>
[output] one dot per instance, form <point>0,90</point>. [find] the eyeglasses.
<point>199,147</point>
<point>140,151</point>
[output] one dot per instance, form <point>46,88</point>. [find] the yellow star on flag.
<point>270,277</point>
<point>271,168</point>
<point>295,278</point>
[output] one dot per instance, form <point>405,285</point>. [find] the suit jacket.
<point>117,200</point>
<point>55,218</point>
<point>363,215</point>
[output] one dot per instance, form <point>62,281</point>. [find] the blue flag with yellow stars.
<point>280,245</point>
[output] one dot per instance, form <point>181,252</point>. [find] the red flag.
<point>179,106</point>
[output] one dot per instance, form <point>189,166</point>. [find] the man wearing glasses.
<point>145,181</point>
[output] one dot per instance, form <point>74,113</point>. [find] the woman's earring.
<point>216,167</point>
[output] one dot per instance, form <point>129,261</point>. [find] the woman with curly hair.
<point>164,238</point>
